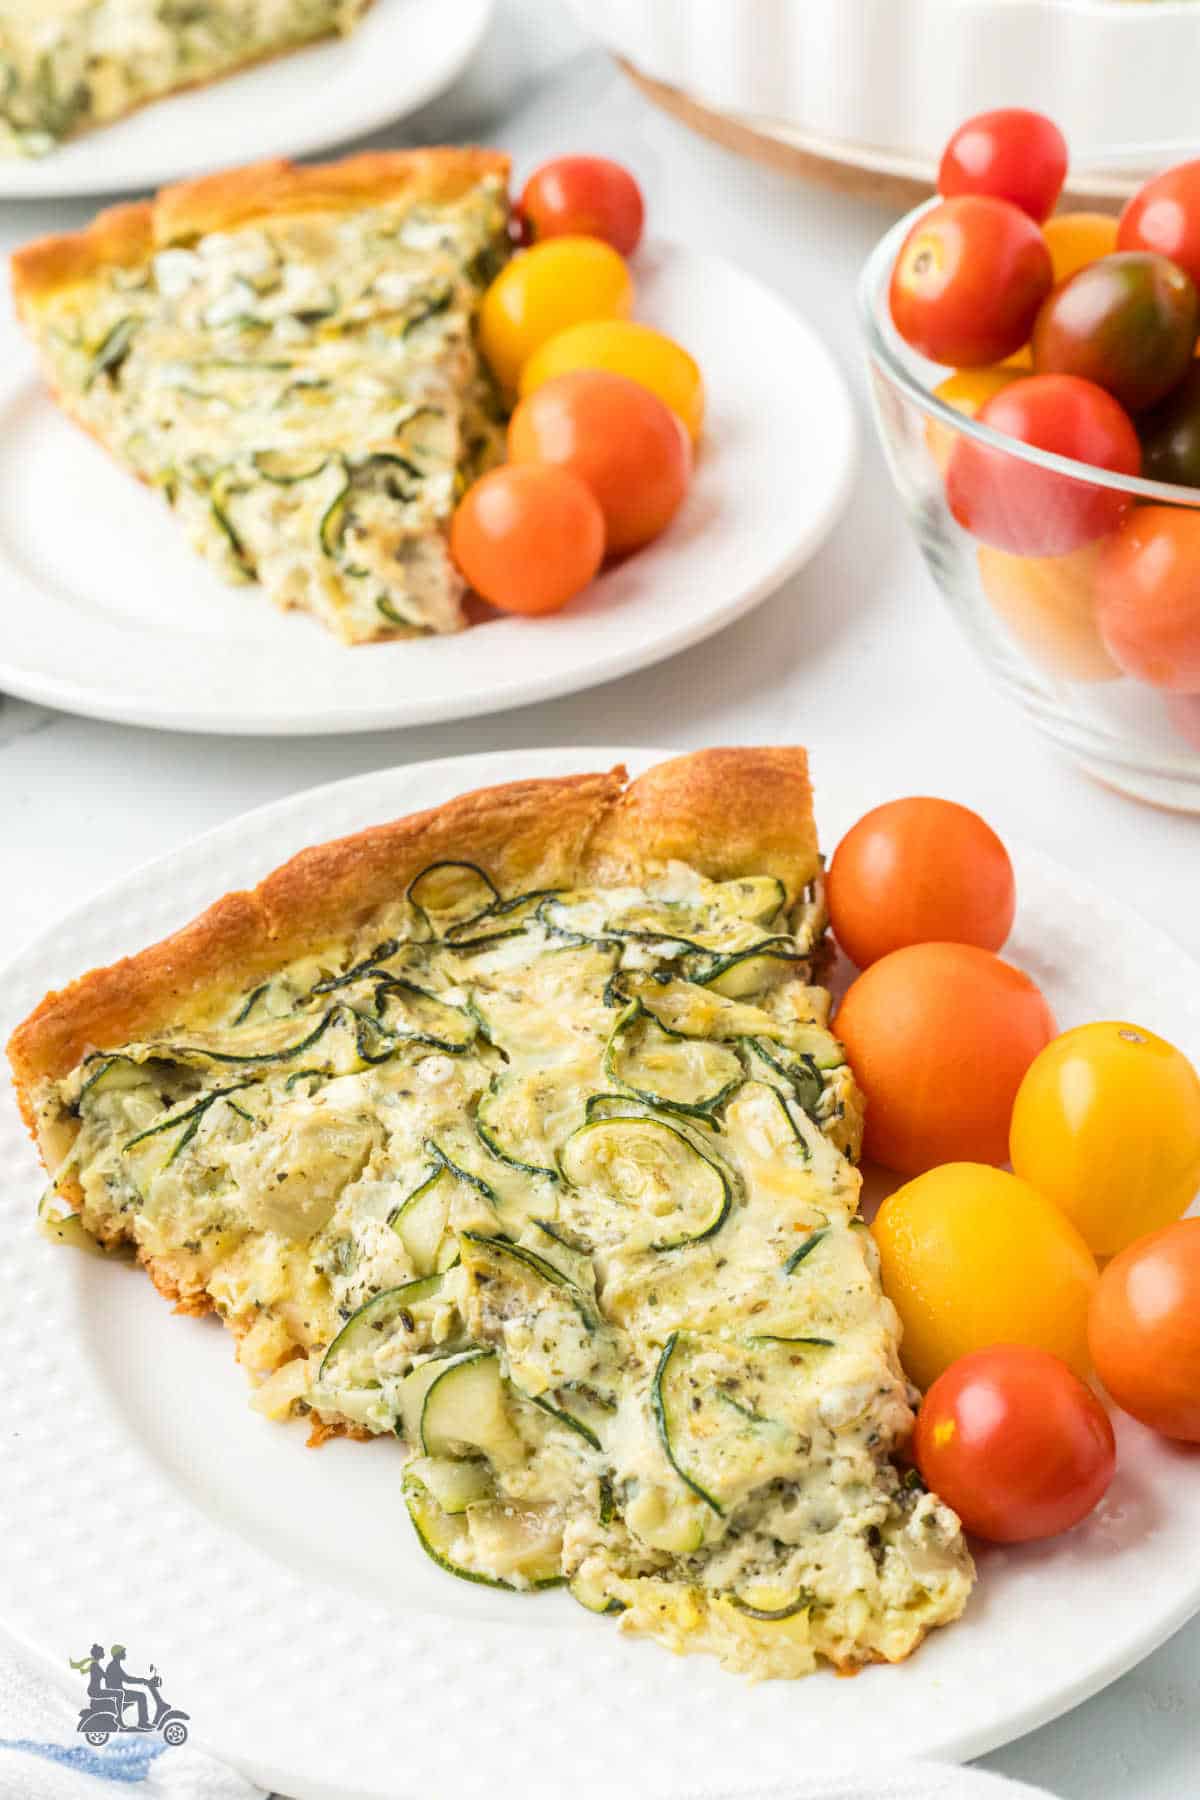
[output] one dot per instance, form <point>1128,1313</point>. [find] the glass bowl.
<point>1032,619</point>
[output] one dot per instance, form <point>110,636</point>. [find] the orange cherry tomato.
<point>940,1036</point>
<point>1048,604</point>
<point>528,538</point>
<point>919,871</point>
<point>583,196</point>
<point>1012,154</point>
<point>968,281</point>
<point>1148,597</point>
<point>1015,1444</point>
<point>1076,239</point>
<point>1144,1330</point>
<point>619,438</point>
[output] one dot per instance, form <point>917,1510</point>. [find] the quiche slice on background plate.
<point>514,1128</point>
<point>71,65</point>
<point>287,355</point>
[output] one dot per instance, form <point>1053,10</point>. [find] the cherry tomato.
<point>1078,238</point>
<point>1164,216</point>
<point>970,1256</point>
<point>583,196</point>
<point>1013,504</point>
<point>1049,605</point>
<point>918,872</point>
<point>528,538</point>
<point>1107,1125</point>
<point>1127,322</point>
<point>1170,434</point>
<point>1144,1330</point>
<point>940,1036</point>
<point>968,281</point>
<point>542,292</point>
<point>1183,710</point>
<point>966,391</point>
<point>1012,155</point>
<point>1015,1444</point>
<point>1148,594</point>
<point>625,348</point>
<point>619,438</point>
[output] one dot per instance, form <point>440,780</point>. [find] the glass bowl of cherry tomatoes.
<point>1037,388</point>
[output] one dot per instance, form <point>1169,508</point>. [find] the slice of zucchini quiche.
<point>69,65</point>
<point>515,1128</point>
<point>288,355</point>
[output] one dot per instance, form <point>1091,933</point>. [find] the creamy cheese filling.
<point>69,64</point>
<point>306,393</point>
<point>559,1187</point>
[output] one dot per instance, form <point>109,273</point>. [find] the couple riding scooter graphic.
<point>112,1692</point>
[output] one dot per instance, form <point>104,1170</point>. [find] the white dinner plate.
<point>108,612</point>
<point>402,55</point>
<point>281,1591</point>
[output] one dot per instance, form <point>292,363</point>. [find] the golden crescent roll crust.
<point>124,236</point>
<point>726,812</point>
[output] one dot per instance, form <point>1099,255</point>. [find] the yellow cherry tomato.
<point>543,291</point>
<point>625,348</point>
<point>966,391</point>
<point>1021,360</point>
<point>1049,605</point>
<point>1106,1124</point>
<point>971,1257</point>
<point>1076,239</point>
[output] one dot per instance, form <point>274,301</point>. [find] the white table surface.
<point>854,657</point>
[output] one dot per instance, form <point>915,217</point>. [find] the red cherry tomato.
<point>1015,505</point>
<point>919,871</point>
<point>1144,1330</point>
<point>1015,1443</point>
<point>1127,322</point>
<point>1011,154</point>
<point>1164,215</point>
<point>1148,597</point>
<point>528,538</point>
<point>618,437</point>
<point>968,281</point>
<point>583,196</point>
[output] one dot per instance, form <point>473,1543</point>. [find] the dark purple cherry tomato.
<point>1127,322</point>
<point>1170,434</point>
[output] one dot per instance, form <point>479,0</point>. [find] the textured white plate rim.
<point>158,143</point>
<point>285,1613</point>
<point>649,608</point>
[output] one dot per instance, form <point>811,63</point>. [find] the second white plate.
<point>109,613</point>
<point>402,55</point>
<point>282,1592</point>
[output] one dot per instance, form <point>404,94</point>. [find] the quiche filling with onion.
<point>304,390</point>
<point>559,1187</point>
<point>67,65</point>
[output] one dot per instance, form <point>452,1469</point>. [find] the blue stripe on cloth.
<point>116,1762</point>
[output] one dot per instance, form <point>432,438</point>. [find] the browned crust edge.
<point>123,236</point>
<point>728,812</point>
